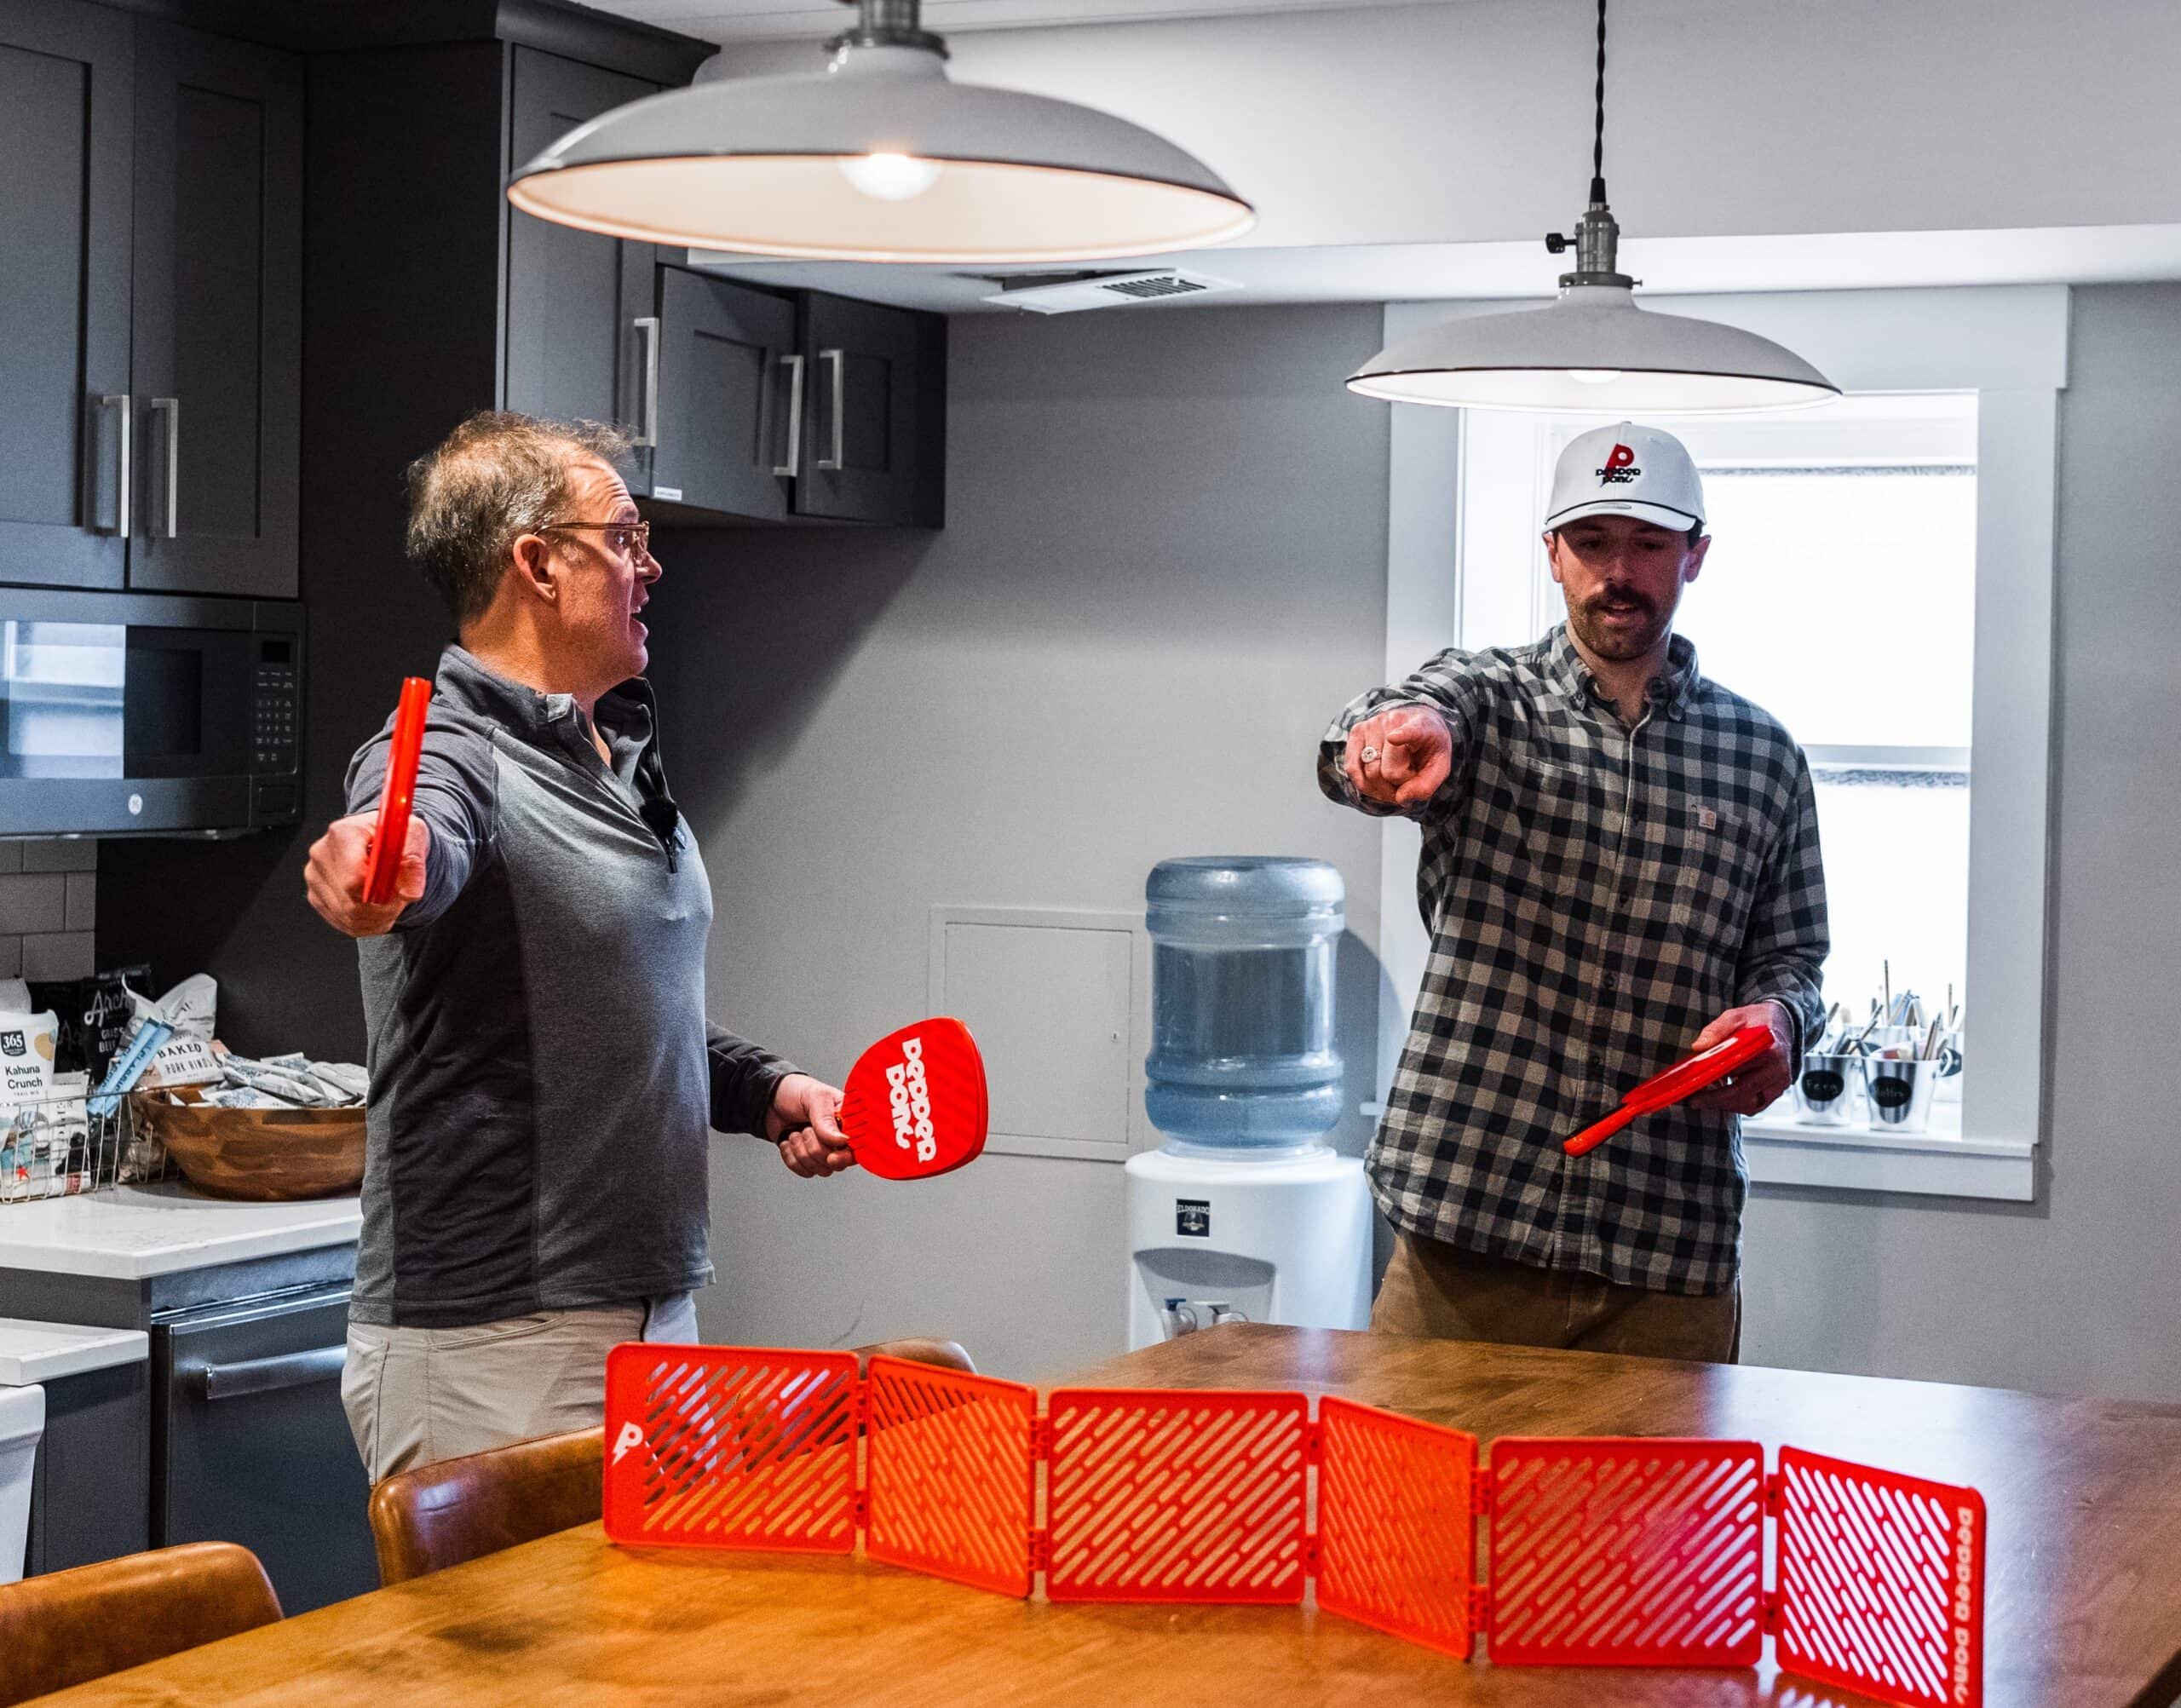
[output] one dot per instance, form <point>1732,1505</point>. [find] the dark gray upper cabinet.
<point>217,364</point>
<point>874,426</point>
<point>582,335</point>
<point>729,392</point>
<point>66,415</point>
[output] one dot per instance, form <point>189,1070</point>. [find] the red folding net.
<point>1627,1552</point>
<point>1163,1495</point>
<point>1603,1551</point>
<point>953,1483</point>
<point>1396,1534</point>
<point>731,1447</point>
<point>1881,1581</point>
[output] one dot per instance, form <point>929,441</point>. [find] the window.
<point>1839,594</point>
<point>1954,399</point>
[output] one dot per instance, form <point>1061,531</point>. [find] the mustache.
<point>1623,597</point>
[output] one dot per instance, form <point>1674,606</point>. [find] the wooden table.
<point>2083,1575</point>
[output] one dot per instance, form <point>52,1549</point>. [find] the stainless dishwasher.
<point>249,1443</point>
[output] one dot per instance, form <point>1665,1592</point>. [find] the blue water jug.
<point>1242,1053</point>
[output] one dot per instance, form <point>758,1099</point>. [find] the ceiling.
<point>1422,272</point>
<point>1416,272</point>
<point>757,20</point>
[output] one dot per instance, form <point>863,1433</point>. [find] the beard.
<point>1619,642</point>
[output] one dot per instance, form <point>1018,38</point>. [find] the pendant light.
<point>1593,351</point>
<point>879,158</point>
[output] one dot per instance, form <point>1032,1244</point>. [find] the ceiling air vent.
<point>1108,291</point>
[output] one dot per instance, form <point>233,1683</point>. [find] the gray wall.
<point>2081,1290</point>
<point>1163,567</point>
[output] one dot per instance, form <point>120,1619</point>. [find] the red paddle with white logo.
<point>915,1104</point>
<point>1687,1077</point>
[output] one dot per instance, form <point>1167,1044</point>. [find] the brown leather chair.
<point>944,1352</point>
<point>440,1514</point>
<point>69,1627</point>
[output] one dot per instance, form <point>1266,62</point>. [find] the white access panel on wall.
<point>1060,1003</point>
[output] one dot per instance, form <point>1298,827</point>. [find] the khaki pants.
<point>1443,1292</point>
<point>415,1395</point>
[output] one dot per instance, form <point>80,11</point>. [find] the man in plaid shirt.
<point>1620,864</point>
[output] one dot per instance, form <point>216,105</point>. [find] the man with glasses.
<point>542,1070</point>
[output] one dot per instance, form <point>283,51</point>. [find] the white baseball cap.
<point>1626,470</point>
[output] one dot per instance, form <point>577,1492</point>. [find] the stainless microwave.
<point>141,714</point>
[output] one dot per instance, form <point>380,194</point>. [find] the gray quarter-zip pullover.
<point>542,1072</point>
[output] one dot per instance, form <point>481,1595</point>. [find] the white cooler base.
<point>1285,1239</point>
<point>22,1424</point>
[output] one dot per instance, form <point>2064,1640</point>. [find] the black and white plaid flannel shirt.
<point>1596,895</point>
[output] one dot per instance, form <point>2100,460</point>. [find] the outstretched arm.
<point>1403,748</point>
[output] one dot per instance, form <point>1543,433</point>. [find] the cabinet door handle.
<point>171,408</point>
<point>264,1375</point>
<point>833,464</point>
<point>793,466</point>
<point>121,400</point>
<point>647,403</point>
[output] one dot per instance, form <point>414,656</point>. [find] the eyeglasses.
<point>631,540</point>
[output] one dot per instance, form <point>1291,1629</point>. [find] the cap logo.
<point>1619,468</point>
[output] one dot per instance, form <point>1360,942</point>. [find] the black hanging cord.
<point>1597,144</point>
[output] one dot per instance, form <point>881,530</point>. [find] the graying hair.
<point>495,478</point>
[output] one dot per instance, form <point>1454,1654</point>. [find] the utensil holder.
<point>1900,1093</point>
<point>1826,1089</point>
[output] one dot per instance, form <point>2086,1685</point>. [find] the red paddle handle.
<point>1687,1077</point>
<point>1599,1131</point>
<point>391,835</point>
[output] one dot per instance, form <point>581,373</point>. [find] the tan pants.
<point>1443,1292</point>
<point>415,1395</point>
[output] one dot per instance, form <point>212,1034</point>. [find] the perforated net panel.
<point>1158,1496</point>
<point>1881,1581</point>
<point>1396,1536</point>
<point>1627,1552</point>
<point>950,1475</point>
<point>724,1446</point>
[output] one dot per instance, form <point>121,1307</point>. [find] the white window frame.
<point>2007,344</point>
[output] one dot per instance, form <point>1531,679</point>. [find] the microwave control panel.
<point>274,744</point>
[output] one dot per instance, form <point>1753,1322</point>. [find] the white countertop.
<point>128,1233</point>
<point>46,1351</point>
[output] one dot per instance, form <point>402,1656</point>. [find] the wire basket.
<point>62,1146</point>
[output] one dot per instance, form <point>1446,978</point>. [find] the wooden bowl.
<point>259,1154</point>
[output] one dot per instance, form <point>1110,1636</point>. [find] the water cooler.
<point>1245,1213</point>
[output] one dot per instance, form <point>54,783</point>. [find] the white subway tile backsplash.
<point>82,910</point>
<point>11,957</point>
<point>11,856</point>
<point>33,901</point>
<point>60,955</point>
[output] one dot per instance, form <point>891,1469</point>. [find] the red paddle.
<point>1688,1076</point>
<point>391,835</point>
<point>915,1103</point>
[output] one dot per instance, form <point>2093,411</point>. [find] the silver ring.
<point>1367,754</point>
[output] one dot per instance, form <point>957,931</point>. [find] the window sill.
<point>1783,1152</point>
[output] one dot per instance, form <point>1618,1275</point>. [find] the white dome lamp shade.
<point>880,158</point>
<point>1594,350</point>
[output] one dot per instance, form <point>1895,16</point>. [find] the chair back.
<point>69,1627</point>
<point>440,1514</point>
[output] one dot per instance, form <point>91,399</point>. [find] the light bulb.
<point>1594,376</point>
<point>889,178</point>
